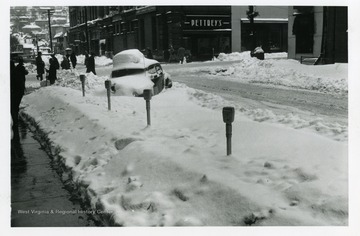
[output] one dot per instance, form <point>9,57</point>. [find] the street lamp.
<point>251,15</point>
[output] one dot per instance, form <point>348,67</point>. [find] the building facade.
<point>202,30</point>
<point>269,29</point>
<point>318,30</point>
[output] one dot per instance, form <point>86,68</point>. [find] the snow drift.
<point>176,173</point>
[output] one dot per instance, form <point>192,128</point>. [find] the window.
<point>152,69</point>
<point>158,69</point>
<point>303,29</point>
<point>124,72</point>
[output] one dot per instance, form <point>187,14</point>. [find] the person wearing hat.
<point>90,64</point>
<point>40,67</point>
<point>73,59</point>
<point>17,87</point>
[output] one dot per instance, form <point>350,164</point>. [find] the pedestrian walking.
<point>65,64</point>
<point>73,59</point>
<point>52,70</point>
<point>17,87</point>
<point>56,62</point>
<point>171,53</point>
<point>90,65</point>
<point>86,58</point>
<point>181,54</point>
<point>40,67</point>
<point>149,54</point>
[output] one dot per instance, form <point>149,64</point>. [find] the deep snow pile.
<point>99,61</point>
<point>288,73</point>
<point>296,75</point>
<point>332,130</point>
<point>176,171</point>
<point>245,55</point>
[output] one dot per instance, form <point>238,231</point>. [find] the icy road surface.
<point>331,107</point>
<point>279,99</point>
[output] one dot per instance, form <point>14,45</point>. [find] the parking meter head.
<point>107,84</point>
<point>82,78</point>
<point>228,114</point>
<point>147,94</point>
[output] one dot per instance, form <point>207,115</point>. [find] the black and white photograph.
<point>201,117</point>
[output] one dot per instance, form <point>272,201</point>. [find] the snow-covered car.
<point>132,73</point>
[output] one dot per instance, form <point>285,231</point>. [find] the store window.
<point>303,29</point>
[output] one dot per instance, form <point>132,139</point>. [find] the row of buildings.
<point>205,31</point>
<point>302,31</point>
<point>31,25</point>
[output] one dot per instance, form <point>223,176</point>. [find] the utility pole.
<point>37,43</point>
<point>49,12</point>
<point>251,15</point>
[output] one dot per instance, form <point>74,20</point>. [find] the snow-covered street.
<point>286,168</point>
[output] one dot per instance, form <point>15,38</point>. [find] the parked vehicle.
<point>132,73</point>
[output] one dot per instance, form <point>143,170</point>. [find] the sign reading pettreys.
<point>207,22</point>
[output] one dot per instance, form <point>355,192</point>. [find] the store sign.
<point>204,22</point>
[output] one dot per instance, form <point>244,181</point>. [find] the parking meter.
<point>228,114</point>
<point>147,96</point>
<point>108,86</point>
<point>228,117</point>
<point>82,79</point>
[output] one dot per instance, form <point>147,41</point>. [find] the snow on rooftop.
<point>32,26</point>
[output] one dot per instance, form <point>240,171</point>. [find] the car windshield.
<point>124,72</point>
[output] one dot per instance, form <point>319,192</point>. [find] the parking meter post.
<point>228,117</point>
<point>228,139</point>
<point>148,112</point>
<point>108,86</point>
<point>82,79</point>
<point>147,97</point>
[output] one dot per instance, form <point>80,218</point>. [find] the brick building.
<point>204,30</point>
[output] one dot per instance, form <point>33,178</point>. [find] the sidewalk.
<point>38,197</point>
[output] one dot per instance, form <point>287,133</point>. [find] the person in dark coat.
<point>17,87</point>
<point>181,54</point>
<point>56,62</point>
<point>65,64</point>
<point>73,59</point>
<point>52,70</point>
<point>149,54</point>
<point>90,65</point>
<point>86,58</point>
<point>40,67</point>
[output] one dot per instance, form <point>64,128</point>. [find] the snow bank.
<point>288,73</point>
<point>235,56</point>
<point>175,172</point>
<point>99,61</point>
<point>131,85</point>
<point>332,130</point>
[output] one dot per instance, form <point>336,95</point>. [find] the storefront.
<point>270,34</point>
<point>206,36</point>
<point>203,31</point>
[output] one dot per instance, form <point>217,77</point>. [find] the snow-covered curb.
<point>158,175</point>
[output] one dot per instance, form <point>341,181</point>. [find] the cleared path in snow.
<point>330,107</point>
<point>280,100</point>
